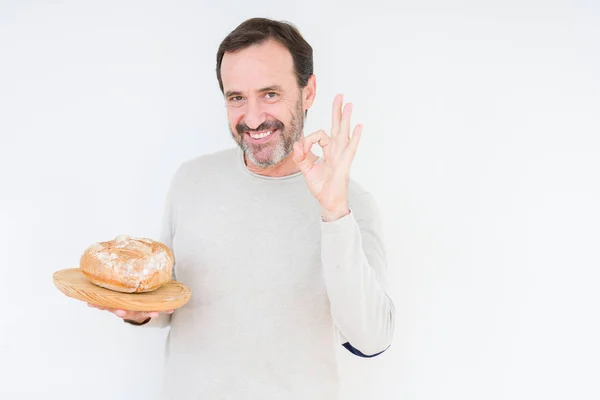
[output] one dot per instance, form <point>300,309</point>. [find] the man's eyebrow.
<point>232,93</point>
<point>276,88</point>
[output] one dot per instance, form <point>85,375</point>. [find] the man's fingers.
<point>126,314</point>
<point>318,137</point>
<point>336,115</point>
<point>98,307</point>
<point>344,133</point>
<point>136,314</point>
<point>353,145</point>
<point>302,148</point>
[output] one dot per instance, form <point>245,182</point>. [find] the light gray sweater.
<point>276,291</point>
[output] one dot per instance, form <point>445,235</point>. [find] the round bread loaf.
<point>128,264</point>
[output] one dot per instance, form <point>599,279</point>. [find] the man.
<point>283,252</point>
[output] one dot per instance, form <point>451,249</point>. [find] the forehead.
<point>266,64</point>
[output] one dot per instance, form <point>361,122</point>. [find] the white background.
<point>481,144</point>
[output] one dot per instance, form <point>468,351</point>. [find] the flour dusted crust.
<point>128,264</point>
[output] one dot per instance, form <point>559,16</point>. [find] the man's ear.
<point>309,92</point>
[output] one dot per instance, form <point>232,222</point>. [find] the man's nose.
<point>254,114</point>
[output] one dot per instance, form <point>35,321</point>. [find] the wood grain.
<point>74,284</point>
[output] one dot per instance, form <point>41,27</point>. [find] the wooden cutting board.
<point>74,284</point>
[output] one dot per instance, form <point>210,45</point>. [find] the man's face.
<point>265,106</point>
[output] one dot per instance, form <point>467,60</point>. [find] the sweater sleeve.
<point>354,262</point>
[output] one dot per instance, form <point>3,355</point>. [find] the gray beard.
<point>282,149</point>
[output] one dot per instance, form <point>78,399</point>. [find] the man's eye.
<point>271,95</point>
<point>235,98</point>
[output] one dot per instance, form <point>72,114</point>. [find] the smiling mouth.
<point>262,135</point>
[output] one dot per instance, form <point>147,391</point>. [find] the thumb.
<point>298,152</point>
<point>300,157</point>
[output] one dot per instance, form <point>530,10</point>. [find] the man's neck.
<point>284,168</point>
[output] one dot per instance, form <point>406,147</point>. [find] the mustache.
<point>267,125</point>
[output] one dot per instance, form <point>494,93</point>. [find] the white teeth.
<point>260,135</point>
